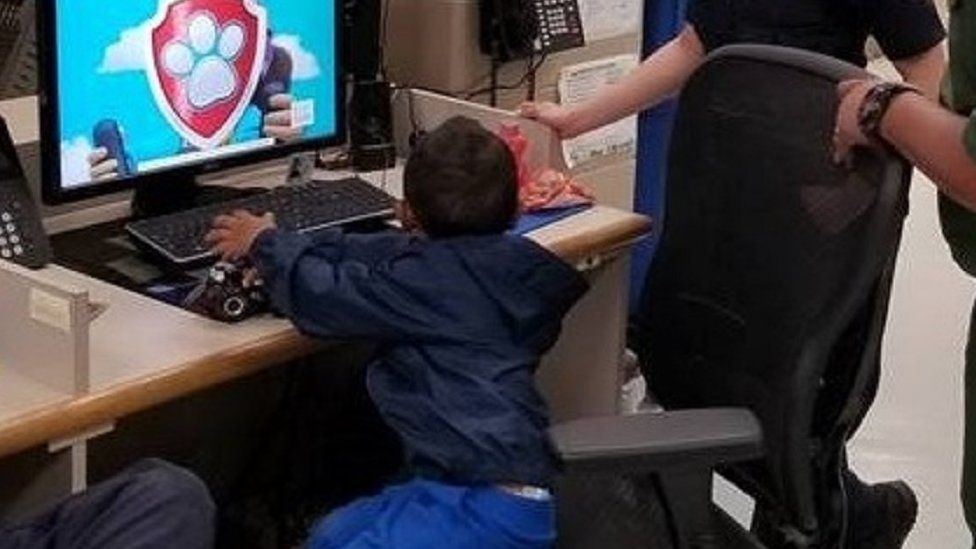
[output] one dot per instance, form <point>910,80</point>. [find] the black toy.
<point>229,294</point>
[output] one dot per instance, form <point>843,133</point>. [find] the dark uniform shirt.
<point>959,94</point>
<point>839,28</point>
<point>462,324</point>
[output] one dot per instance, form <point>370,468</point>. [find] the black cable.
<point>530,72</point>
<point>493,87</point>
<point>530,95</point>
<point>414,125</point>
<point>384,28</point>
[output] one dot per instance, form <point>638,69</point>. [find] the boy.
<point>942,143</point>
<point>464,312</point>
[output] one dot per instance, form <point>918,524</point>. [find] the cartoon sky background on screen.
<point>102,75</point>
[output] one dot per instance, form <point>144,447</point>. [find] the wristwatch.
<point>875,106</point>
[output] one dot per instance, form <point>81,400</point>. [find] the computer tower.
<point>371,126</point>
<point>361,40</point>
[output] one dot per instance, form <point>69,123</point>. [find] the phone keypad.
<point>13,243</point>
<point>560,26</point>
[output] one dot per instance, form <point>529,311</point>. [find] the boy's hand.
<point>847,133</point>
<point>233,235</point>
<point>557,117</point>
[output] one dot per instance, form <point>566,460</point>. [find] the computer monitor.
<point>154,92</point>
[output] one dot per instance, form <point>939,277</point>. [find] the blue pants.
<point>151,505</point>
<point>423,514</point>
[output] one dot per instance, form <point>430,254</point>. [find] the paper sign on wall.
<point>604,19</point>
<point>577,83</point>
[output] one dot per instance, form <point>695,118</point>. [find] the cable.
<point>384,28</point>
<point>530,72</point>
<point>530,95</point>
<point>493,88</point>
<point>414,125</point>
<point>471,93</point>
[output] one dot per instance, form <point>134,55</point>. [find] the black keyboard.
<point>308,207</point>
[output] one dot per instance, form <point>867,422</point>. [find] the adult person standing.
<point>910,34</point>
<point>942,143</point>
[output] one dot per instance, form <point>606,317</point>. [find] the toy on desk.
<point>546,188</point>
<point>228,294</point>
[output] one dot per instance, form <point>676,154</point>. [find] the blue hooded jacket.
<point>462,324</point>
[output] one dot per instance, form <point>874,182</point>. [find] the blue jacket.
<point>462,324</point>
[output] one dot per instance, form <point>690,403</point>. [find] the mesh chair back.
<point>770,286</point>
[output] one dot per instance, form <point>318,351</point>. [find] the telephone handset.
<point>512,29</point>
<point>22,236</point>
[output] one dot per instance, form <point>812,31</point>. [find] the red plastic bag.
<point>512,135</point>
<point>547,188</point>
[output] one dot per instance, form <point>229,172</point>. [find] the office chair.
<point>769,293</point>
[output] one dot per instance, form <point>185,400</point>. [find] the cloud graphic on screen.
<point>128,53</point>
<point>75,169</point>
<point>305,65</point>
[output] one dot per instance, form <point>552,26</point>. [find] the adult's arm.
<point>937,141</point>
<point>657,78</point>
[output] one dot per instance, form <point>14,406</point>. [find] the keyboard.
<point>304,208</point>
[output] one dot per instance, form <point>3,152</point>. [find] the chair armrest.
<point>655,441</point>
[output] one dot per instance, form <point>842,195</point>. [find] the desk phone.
<point>513,29</point>
<point>22,236</point>
<point>560,26</point>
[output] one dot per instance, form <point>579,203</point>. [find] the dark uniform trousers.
<point>151,505</point>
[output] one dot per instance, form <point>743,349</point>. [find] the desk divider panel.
<point>44,330</point>
<point>427,110</point>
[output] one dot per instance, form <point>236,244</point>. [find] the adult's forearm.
<point>660,76</point>
<point>931,137</point>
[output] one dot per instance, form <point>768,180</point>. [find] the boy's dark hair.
<point>461,179</point>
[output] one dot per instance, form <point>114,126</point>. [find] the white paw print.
<point>205,60</point>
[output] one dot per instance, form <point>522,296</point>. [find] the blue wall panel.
<point>663,19</point>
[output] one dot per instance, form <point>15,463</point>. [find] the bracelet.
<point>876,104</point>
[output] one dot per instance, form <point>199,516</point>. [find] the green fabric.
<point>959,90</point>
<point>958,223</point>
<point>969,435</point>
<point>959,94</point>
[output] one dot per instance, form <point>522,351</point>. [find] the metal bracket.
<point>78,445</point>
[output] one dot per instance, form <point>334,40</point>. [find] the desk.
<point>145,353</point>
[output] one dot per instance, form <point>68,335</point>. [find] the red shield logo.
<point>206,60</point>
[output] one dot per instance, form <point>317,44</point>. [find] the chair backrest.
<point>770,286</point>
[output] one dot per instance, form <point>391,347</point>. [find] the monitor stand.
<point>154,199</point>
<point>173,193</point>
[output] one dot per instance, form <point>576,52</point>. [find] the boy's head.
<point>461,179</point>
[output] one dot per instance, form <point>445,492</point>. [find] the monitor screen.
<point>145,86</point>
